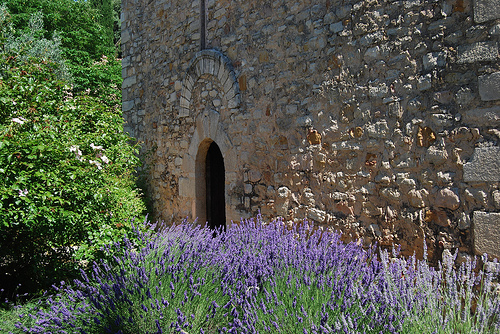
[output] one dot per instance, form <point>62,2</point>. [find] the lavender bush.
<point>258,278</point>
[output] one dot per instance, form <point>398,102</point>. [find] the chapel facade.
<point>379,119</point>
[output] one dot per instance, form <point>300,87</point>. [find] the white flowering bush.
<point>66,168</point>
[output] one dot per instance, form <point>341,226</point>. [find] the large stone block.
<point>485,10</point>
<point>486,230</point>
<point>127,105</point>
<point>130,81</point>
<point>489,86</point>
<point>488,117</point>
<point>484,166</point>
<point>479,51</point>
<point>126,61</point>
<point>186,187</point>
<point>125,36</point>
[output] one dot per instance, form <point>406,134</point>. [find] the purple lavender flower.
<point>267,277</point>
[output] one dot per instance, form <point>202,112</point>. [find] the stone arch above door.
<point>210,62</point>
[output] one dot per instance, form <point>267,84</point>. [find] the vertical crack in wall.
<point>203,24</point>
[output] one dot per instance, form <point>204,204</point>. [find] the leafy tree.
<point>31,44</point>
<point>117,26</point>
<point>76,21</point>
<point>84,29</point>
<point>65,163</point>
<point>105,9</point>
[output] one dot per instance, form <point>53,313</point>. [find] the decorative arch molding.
<point>214,63</point>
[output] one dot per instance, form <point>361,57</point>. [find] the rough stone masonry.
<point>377,118</point>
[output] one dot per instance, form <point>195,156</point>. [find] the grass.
<point>262,278</point>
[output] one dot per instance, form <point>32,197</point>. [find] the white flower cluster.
<point>99,155</point>
<point>95,148</point>
<point>95,162</point>
<point>77,151</point>
<point>19,120</point>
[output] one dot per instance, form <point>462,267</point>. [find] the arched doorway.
<point>210,185</point>
<point>215,179</point>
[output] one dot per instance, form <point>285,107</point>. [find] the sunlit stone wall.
<point>376,118</point>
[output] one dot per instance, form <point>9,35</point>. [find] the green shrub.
<point>66,168</point>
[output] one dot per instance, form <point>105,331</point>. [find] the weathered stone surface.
<point>485,10</point>
<point>129,81</point>
<point>317,215</point>
<point>477,196</point>
<point>378,130</point>
<point>464,96</point>
<point>425,136</point>
<point>399,94</point>
<point>445,178</point>
<point>479,51</point>
<point>444,97</point>
<point>489,86</point>
<point>417,198</point>
<point>424,82</point>
<point>484,165</point>
<point>313,137</point>
<point>486,230</point>
<point>391,194</point>
<point>127,105</point>
<point>436,156</point>
<point>186,187</point>
<point>440,120</point>
<point>254,176</point>
<point>496,199</point>
<point>438,217</point>
<point>463,221</point>
<point>448,199</point>
<point>495,30</point>
<point>434,59</point>
<point>291,109</point>
<point>371,210</point>
<point>375,230</point>
<point>482,117</point>
<point>125,35</point>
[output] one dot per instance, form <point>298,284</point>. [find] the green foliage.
<point>117,26</point>
<point>65,163</point>
<point>83,30</point>
<point>101,79</point>
<point>82,35</point>
<point>105,9</point>
<point>31,44</point>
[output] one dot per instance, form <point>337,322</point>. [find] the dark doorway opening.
<point>215,188</point>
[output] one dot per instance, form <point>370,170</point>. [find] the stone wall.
<point>376,118</point>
